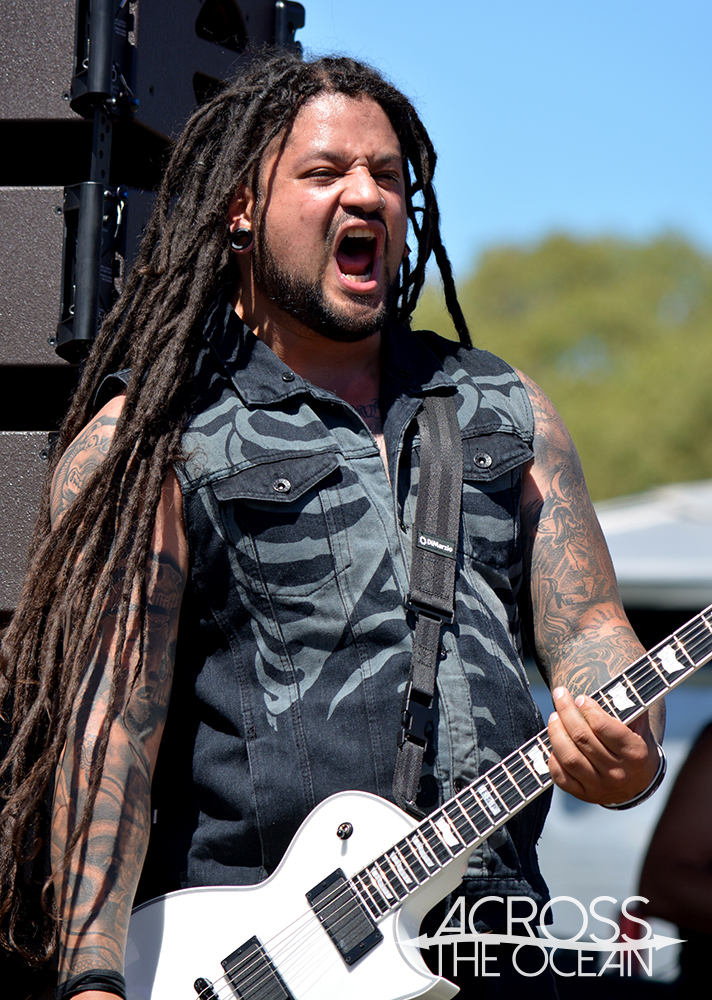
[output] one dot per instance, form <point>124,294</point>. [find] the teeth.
<point>357,277</point>
<point>361,234</point>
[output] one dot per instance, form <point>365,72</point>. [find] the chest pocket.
<point>276,517</point>
<point>492,474</point>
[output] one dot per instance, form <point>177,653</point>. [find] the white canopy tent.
<point>661,545</point>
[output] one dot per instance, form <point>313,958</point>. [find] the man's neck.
<point>351,371</point>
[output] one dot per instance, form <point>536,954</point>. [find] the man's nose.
<point>362,191</point>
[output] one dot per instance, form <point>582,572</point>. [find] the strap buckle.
<point>416,716</point>
<point>444,616</point>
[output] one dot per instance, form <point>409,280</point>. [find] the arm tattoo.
<point>580,634</point>
<point>81,458</point>
<point>96,894</point>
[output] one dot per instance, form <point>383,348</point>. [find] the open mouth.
<point>356,255</point>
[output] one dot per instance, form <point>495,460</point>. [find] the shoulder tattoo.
<point>82,457</point>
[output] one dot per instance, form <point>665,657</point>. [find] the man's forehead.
<point>331,124</point>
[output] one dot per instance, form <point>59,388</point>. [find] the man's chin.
<point>342,325</point>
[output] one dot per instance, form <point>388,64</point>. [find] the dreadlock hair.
<point>155,330</point>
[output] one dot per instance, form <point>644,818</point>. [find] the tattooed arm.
<point>96,894</point>
<point>579,633</point>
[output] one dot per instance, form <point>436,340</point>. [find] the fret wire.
<point>486,809</point>
<point>364,897</point>
<point>697,647</point>
<point>633,688</point>
<point>618,690</point>
<point>534,773</point>
<point>384,887</point>
<point>684,651</point>
<point>434,834</point>
<point>494,791</point>
<point>461,821</point>
<point>415,864</point>
<point>519,767</point>
<point>447,830</point>
<point>607,704</point>
<point>502,793</point>
<point>408,871</point>
<point>511,777</point>
<point>478,817</point>
<point>468,819</point>
<point>657,670</point>
<point>427,853</point>
<point>379,900</point>
<point>391,876</point>
<point>619,685</point>
<point>690,631</point>
<point>654,681</point>
<point>379,895</point>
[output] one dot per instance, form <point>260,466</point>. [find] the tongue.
<point>356,263</point>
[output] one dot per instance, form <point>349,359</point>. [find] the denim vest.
<point>295,645</point>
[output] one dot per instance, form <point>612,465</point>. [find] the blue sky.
<point>587,116</point>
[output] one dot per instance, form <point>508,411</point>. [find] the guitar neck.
<point>466,820</point>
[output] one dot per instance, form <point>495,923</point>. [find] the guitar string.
<point>691,638</point>
<point>288,935</point>
<point>248,966</point>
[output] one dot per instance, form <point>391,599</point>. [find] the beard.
<point>303,298</point>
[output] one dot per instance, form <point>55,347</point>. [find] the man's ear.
<point>240,212</point>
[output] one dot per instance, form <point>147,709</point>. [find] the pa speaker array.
<point>93,91</point>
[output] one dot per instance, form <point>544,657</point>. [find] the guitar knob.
<point>204,989</point>
<point>344,831</point>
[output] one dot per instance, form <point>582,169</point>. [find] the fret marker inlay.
<point>446,832</point>
<point>422,852</point>
<point>386,890</point>
<point>669,661</point>
<point>488,799</point>
<point>536,756</point>
<point>619,697</point>
<point>400,868</point>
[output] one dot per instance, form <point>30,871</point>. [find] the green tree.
<point>618,334</point>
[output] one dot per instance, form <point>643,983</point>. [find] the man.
<point>255,470</point>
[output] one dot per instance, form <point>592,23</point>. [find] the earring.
<point>241,240</point>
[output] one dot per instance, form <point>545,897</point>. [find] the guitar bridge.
<point>343,917</point>
<point>252,974</point>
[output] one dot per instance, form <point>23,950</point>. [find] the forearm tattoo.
<point>97,891</point>
<point>580,633</point>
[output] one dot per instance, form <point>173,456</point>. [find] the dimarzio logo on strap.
<point>443,546</point>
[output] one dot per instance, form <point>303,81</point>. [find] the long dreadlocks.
<point>154,330</point>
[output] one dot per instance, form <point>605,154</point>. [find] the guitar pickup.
<point>343,917</point>
<point>252,974</point>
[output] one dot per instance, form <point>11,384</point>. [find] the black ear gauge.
<point>241,240</point>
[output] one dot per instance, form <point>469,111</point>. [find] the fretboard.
<point>473,814</point>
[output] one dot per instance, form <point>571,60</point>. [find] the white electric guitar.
<point>335,919</point>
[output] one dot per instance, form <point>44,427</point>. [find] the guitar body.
<point>184,936</point>
<point>266,942</point>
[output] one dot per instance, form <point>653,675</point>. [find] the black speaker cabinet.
<point>68,70</point>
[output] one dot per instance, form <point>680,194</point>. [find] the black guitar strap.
<point>432,581</point>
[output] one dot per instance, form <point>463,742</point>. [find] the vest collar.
<point>261,379</point>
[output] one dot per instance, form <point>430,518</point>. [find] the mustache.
<point>345,217</point>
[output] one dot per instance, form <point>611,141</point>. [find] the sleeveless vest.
<point>294,645</point>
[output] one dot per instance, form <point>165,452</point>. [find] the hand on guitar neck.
<point>596,757</point>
